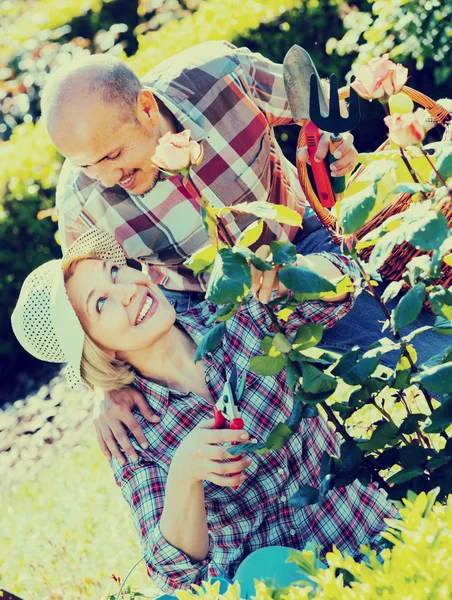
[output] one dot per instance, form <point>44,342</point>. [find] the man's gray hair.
<point>101,77</point>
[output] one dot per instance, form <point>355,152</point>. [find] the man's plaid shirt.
<point>230,99</point>
<point>257,514</point>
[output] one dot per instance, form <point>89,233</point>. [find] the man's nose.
<point>108,176</point>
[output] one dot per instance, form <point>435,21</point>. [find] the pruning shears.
<point>226,412</point>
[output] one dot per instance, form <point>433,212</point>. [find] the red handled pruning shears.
<point>226,411</point>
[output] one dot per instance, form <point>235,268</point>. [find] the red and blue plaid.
<point>257,514</point>
<point>231,100</point>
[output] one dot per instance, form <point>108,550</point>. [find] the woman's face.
<point>119,307</point>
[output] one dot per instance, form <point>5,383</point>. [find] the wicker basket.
<point>401,255</point>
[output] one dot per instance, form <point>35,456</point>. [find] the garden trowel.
<point>300,76</point>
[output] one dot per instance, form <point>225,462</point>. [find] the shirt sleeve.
<point>143,487</point>
<point>265,84</point>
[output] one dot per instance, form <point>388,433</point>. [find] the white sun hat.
<point>43,320</point>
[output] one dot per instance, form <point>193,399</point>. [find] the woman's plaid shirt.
<point>257,514</point>
<point>230,99</point>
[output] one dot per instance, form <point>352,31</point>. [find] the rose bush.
<point>176,152</point>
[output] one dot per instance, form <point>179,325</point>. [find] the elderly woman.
<point>197,514</point>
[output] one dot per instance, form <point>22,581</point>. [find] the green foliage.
<point>417,31</point>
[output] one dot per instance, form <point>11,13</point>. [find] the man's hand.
<point>346,154</point>
<point>263,283</point>
<point>113,415</point>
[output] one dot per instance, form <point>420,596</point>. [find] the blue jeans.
<point>362,325</point>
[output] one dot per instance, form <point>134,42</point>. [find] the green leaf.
<point>295,418</point>
<point>406,339</point>
<point>312,399</point>
<point>430,231</point>
<point>418,269</point>
<point>359,372</point>
<point>377,169</point>
<point>351,456</point>
<point>437,359</point>
<point>315,382</point>
<point>305,496</point>
<point>392,291</point>
<point>210,341</point>
<point>281,343</point>
<point>267,210</point>
<point>384,247</point>
<point>225,312</point>
<point>411,423</point>
<point>346,362</point>
<point>443,326</point>
<point>409,307</point>
<point>441,301</point>
<point>382,435</point>
<point>444,163</point>
<point>267,343</point>
<point>411,188</point>
<point>293,374</point>
<point>251,234</point>
<point>413,456</point>
<point>436,379</point>
<point>238,449</point>
<point>278,436</point>
<point>355,210</point>
<point>267,365</point>
<point>283,253</point>
<point>405,475</point>
<point>302,279</point>
<point>202,260</point>
<point>308,336</point>
<point>255,260</point>
<point>230,278</point>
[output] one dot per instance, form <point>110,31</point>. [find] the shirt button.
<point>171,302</point>
<point>283,498</point>
<point>281,471</point>
<point>292,532</point>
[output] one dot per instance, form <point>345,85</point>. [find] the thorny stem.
<point>408,166</point>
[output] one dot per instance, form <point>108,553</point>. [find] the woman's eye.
<point>114,272</point>
<point>99,304</point>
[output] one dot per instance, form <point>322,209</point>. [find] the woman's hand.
<point>263,283</point>
<point>200,458</point>
<point>111,418</point>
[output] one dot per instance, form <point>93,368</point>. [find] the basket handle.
<point>328,220</point>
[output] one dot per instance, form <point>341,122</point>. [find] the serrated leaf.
<point>267,365</point>
<point>281,343</point>
<point>411,188</point>
<point>286,215</point>
<point>405,475</point>
<point>210,341</point>
<point>444,163</point>
<point>384,247</point>
<point>255,260</point>
<point>308,336</point>
<point>392,291</point>
<point>419,269</point>
<point>430,232</point>
<point>267,210</point>
<point>441,418</point>
<point>443,326</point>
<point>382,435</point>
<point>267,343</point>
<point>413,456</point>
<point>315,381</point>
<point>441,301</point>
<point>278,436</point>
<point>283,253</point>
<point>295,418</point>
<point>230,278</point>
<point>301,279</point>
<point>409,307</point>
<point>346,362</point>
<point>362,369</point>
<point>202,260</point>
<point>238,449</point>
<point>436,379</point>
<point>305,496</point>
<point>375,170</point>
<point>355,210</point>
<point>251,234</point>
<point>437,359</point>
<point>411,423</point>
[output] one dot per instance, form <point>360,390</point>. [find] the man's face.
<point>108,149</point>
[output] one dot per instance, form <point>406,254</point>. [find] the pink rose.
<point>380,78</point>
<point>405,130</point>
<point>175,152</point>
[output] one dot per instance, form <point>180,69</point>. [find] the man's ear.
<point>147,108</point>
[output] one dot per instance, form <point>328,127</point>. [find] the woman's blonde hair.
<point>97,368</point>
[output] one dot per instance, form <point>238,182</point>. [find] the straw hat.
<point>43,320</point>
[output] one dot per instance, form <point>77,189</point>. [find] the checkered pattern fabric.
<point>230,99</point>
<point>257,514</point>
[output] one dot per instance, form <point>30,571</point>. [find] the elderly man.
<point>107,123</point>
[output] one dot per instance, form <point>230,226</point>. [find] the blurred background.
<point>40,416</point>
